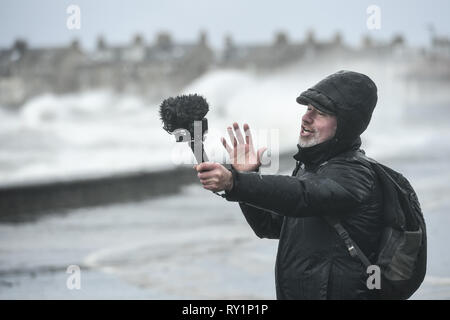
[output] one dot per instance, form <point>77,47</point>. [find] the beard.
<point>306,142</point>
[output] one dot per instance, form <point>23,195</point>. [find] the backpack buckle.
<point>352,251</point>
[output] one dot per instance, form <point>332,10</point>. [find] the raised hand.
<point>242,155</point>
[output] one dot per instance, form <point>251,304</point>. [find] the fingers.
<point>232,137</point>
<point>238,132</point>
<point>206,166</point>
<point>226,146</point>
<point>237,136</point>
<point>205,175</point>
<point>248,135</point>
<point>209,182</point>
<point>260,153</point>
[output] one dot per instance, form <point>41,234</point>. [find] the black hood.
<point>351,97</point>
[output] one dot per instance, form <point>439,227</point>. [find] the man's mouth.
<point>306,132</point>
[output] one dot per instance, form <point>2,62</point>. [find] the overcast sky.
<point>43,22</point>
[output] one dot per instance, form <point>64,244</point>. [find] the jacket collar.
<point>314,156</point>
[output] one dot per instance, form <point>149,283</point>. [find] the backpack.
<point>402,256</point>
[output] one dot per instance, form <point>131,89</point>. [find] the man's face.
<point>317,127</point>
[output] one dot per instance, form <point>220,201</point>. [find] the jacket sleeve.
<point>264,223</point>
<point>337,187</point>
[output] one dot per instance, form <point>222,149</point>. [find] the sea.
<point>193,244</point>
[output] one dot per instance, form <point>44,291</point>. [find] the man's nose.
<point>307,118</point>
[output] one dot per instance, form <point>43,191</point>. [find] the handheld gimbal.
<point>184,117</point>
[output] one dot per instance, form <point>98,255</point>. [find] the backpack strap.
<point>297,168</point>
<point>352,247</point>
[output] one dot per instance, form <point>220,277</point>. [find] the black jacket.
<point>312,260</point>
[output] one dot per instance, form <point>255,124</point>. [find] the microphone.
<point>184,117</point>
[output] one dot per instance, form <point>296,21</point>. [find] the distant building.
<point>163,67</point>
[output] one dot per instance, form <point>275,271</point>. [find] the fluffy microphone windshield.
<point>181,112</point>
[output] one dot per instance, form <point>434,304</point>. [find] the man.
<point>330,179</point>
